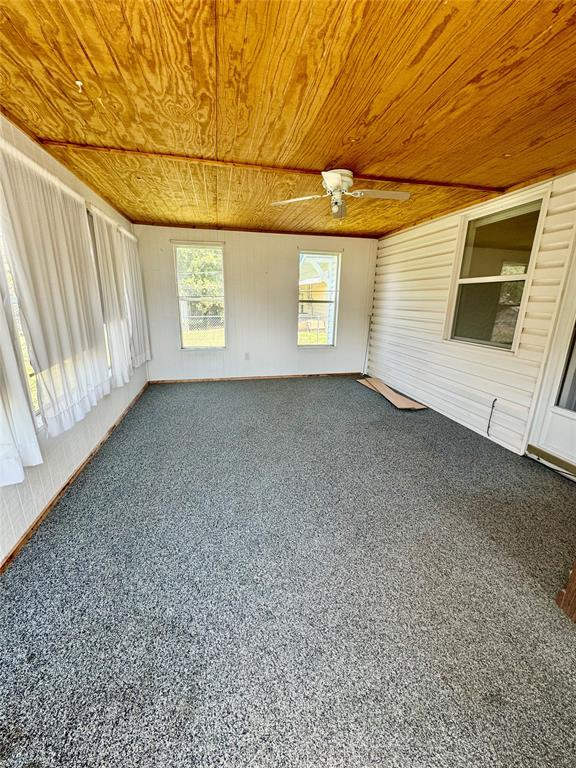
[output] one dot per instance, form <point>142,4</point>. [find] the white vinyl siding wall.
<point>412,296</point>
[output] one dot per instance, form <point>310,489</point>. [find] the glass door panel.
<point>567,393</point>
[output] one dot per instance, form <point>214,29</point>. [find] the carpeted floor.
<point>293,574</point>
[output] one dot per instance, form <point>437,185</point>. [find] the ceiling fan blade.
<point>380,194</point>
<point>298,199</point>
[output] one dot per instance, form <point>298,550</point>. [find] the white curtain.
<point>110,261</point>
<point>137,316</point>
<point>49,255</point>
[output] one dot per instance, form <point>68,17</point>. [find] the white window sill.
<point>316,346</point>
<point>478,344</point>
<point>202,349</point>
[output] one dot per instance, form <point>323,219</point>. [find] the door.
<point>553,434</point>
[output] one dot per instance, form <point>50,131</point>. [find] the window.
<point>493,275</point>
<point>567,394</point>
<point>318,288</point>
<point>200,276</point>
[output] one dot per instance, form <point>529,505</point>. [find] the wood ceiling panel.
<point>147,189</point>
<point>148,70</point>
<point>179,192</point>
<point>418,90</point>
<point>474,93</point>
<point>278,61</point>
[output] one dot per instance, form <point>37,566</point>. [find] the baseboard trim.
<point>27,535</point>
<point>254,378</point>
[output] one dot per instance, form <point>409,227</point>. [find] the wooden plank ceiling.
<point>184,102</point>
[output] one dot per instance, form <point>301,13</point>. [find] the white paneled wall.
<point>412,297</point>
<point>261,286</point>
<point>21,504</point>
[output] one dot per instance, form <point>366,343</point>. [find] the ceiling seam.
<point>265,168</point>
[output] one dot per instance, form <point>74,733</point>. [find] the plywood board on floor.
<point>396,398</point>
<point>566,599</point>
<point>366,383</point>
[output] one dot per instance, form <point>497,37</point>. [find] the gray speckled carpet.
<point>293,574</point>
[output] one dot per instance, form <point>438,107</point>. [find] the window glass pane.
<point>205,283</point>
<point>487,312</point>
<point>318,298</point>
<point>200,274</point>
<point>567,395</point>
<point>202,323</point>
<point>316,323</point>
<point>500,244</point>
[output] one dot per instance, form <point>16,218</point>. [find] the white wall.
<point>261,285</point>
<point>21,504</point>
<point>412,296</point>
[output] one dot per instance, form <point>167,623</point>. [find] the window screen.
<point>200,276</point>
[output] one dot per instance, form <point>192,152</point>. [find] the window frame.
<point>175,245</point>
<point>336,301</point>
<point>542,194</point>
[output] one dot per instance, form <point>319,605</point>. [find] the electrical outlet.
<point>246,355</point>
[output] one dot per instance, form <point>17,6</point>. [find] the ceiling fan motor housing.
<point>339,179</point>
<point>337,182</point>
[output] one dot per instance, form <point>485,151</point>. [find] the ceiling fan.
<point>337,185</point>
